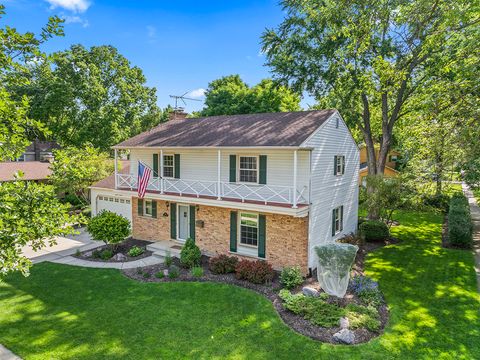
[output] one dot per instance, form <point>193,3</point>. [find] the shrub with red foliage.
<point>222,264</point>
<point>257,272</point>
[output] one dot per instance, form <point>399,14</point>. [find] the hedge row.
<point>460,227</point>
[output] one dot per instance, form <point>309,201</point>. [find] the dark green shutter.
<point>173,220</point>
<point>233,168</point>
<point>154,209</point>
<point>261,236</point>
<point>155,165</point>
<point>262,179</point>
<point>341,218</point>
<point>192,221</point>
<point>177,166</point>
<point>233,231</point>
<point>140,207</point>
<point>335,165</point>
<point>333,222</point>
<point>343,165</point>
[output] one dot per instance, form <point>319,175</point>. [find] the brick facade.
<point>286,236</point>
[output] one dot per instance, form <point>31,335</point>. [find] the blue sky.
<point>180,45</point>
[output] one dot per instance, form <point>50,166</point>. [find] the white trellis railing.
<point>227,190</point>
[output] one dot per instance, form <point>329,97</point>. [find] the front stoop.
<point>475,212</point>
<point>163,247</point>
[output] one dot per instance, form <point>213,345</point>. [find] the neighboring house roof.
<point>253,130</point>
<point>38,145</point>
<point>32,170</point>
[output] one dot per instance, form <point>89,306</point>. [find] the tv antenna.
<point>180,109</point>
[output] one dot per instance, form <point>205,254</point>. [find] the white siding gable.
<point>329,191</point>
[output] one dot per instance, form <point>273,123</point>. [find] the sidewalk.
<point>6,354</point>
<point>475,211</point>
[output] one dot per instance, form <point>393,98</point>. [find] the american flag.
<point>144,173</point>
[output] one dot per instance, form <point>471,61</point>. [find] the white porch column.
<point>295,179</point>
<point>161,171</point>
<point>219,167</point>
<point>116,167</point>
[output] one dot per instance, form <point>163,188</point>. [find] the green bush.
<point>197,271</point>
<point>173,272</point>
<point>73,200</point>
<point>103,254</point>
<point>291,277</point>
<point>168,259</point>
<point>160,274</point>
<point>222,264</point>
<point>323,314</point>
<point>374,230</point>
<point>437,201</point>
<point>460,227</point>
<point>190,255</point>
<point>257,272</point>
<point>109,227</point>
<point>135,251</point>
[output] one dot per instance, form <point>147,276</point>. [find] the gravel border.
<point>270,291</point>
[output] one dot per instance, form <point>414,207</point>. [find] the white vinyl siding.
<point>201,164</point>
<point>329,191</point>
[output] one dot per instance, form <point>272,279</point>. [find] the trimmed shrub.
<point>374,230</point>
<point>168,259</point>
<point>197,271</point>
<point>222,264</point>
<point>173,272</point>
<point>367,290</point>
<point>103,254</point>
<point>291,277</point>
<point>160,275</point>
<point>460,227</point>
<point>437,201</point>
<point>257,272</point>
<point>190,254</point>
<point>135,251</point>
<point>109,228</point>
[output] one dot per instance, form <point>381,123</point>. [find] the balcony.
<point>265,194</point>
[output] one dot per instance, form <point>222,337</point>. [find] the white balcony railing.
<point>226,190</point>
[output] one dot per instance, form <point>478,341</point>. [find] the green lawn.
<point>79,313</point>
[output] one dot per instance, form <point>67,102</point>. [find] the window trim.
<point>145,208</point>
<point>173,166</point>
<point>239,230</point>
<point>342,172</point>
<point>338,212</point>
<point>257,169</point>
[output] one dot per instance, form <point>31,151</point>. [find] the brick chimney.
<point>178,114</point>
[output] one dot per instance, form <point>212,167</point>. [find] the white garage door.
<point>116,204</point>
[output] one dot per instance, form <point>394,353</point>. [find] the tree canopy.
<point>91,96</point>
<point>230,95</point>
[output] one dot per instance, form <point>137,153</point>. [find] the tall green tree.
<point>231,95</point>
<point>365,56</point>
<point>29,213</point>
<point>92,96</point>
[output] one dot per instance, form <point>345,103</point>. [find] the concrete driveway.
<point>64,247</point>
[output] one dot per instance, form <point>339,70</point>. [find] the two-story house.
<point>269,186</point>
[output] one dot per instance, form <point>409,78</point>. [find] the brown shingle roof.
<point>33,170</point>
<point>266,129</point>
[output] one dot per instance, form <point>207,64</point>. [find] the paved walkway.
<point>6,354</point>
<point>70,260</point>
<point>475,211</point>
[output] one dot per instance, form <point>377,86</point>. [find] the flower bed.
<point>366,317</point>
<point>123,252</point>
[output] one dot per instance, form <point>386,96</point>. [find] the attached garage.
<point>117,204</point>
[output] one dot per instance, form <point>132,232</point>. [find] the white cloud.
<point>72,5</point>
<point>197,93</point>
<point>151,31</point>
<point>75,20</point>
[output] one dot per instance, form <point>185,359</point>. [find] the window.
<point>147,207</point>
<point>248,229</point>
<point>168,166</point>
<point>393,158</point>
<point>337,220</point>
<point>339,165</point>
<point>248,170</point>
<point>21,158</point>
<point>116,199</point>
<point>122,201</point>
<point>127,201</point>
<point>110,199</point>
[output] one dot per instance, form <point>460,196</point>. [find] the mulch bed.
<point>270,291</point>
<point>121,248</point>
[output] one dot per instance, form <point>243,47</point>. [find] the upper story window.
<point>168,166</point>
<point>337,221</point>
<point>248,229</point>
<point>393,158</point>
<point>20,158</point>
<point>248,169</point>
<point>339,165</point>
<point>147,208</point>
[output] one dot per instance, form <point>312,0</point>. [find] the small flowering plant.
<point>367,290</point>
